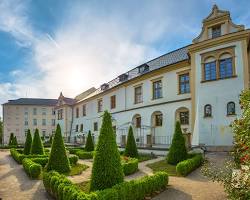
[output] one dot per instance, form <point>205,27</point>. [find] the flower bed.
<point>62,188</point>
<point>187,166</point>
<point>129,165</point>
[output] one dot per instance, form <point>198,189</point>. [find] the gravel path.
<point>15,184</point>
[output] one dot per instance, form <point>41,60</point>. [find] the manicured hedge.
<point>73,159</point>
<point>31,168</point>
<point>74,150</point>
<point>129,166</point>
<point>41,161</point>
<point>18,157</point>
<point>84,154</point>
<point>62,188</point>
<point>185,167</point>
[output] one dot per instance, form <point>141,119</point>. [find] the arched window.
<point>156,119</point>
<point>231,108</point>
<point>226,66</point>
<point>208,110</point>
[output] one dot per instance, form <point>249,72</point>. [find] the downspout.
<point>71,124</point>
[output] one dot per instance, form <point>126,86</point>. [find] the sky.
<point>49,46</point>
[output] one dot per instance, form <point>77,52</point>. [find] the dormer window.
<point>143,68</point>
<point>216,31</point>
<point>123,77</point>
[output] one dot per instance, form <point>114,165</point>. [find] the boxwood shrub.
<point>73,159</point>
<point>62,188</point>
<point>129,165</point>
<point>85,154</point>
<point>185,167</point>
<point>74,150</point>
<point>31,168</point>
<point>42,161</point>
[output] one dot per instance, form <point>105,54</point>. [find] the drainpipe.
<point>71,124</point>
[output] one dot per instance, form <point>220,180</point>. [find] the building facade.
<point>198,85</point>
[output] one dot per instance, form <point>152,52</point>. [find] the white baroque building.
<point>198,85</point>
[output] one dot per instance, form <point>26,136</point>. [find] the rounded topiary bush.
<point>58,159</point>
<point>37,145</point>
<point>107,169</point>
<point>131,149</point>
<point>89,143</point>
<point>177,151</point>
<point>28,143</point>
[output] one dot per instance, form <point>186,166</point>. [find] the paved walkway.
<point>15,184</point>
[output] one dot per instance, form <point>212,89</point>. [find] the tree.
<point>11,139</point>
<point>28,143</point>
<point>14,143</point>
<point>107,169</point>
<point>89,143</point>
<point>131,149</point>
<point>37,145</point>
<point>51,139</point>
<point>58,159</point>
<point>177,151</point>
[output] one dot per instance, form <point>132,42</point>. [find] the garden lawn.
<point>145,157</point>
<point>163,166</point>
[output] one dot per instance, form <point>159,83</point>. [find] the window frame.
<point>185,82</point>
<point>225,67</point>
<point>216,31</point>
<point>211,110</point>
<point>99,105</point>
<point>77,112</point>
<point>234,111</point>
<point>155,89</point>
<point>138,122</point>
<point>95,124</point>
<point>185,122</point>
<point>138,97</point>
<point>113,102</point>
<point>84,110</point>
<point>161,120</point>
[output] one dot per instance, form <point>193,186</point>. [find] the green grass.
<point>145,157</point>
<point>163,166</point>
<point>84,186</point>
<point>77,169</point>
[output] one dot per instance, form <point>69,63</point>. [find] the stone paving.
<point>16,185</point>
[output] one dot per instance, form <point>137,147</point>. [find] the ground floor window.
<point>184,118</point>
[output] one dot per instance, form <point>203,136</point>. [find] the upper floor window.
<point>216,31</point>
<point>77,128</point>
<point>184,118</point>
<point>210,71</point>
<point>99,105</point>
<point>81,128</point>
<point>84,110</point>
<point>26,123</point>
<point>53,112</point>
<point>53,122</point>
<point>138,94</point>
<point>43,111</point>
<point>77,112</point>
<point>95,126</point>
<point>184,86</point>
<point>34,122</point>
<point>44,122</point>
<point>34,111</point>
<point>113,102</point>
<point>226,68</point>
<point>157,89</point>
<point>60,114</point>
<point>231,108</point>
<point>207,110</point>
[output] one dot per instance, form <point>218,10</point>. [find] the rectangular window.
<point>44,122</point>
<point>53,122</point>
<point>77,112</point>
<point>210,71</point>
<point>184,118</point>
<point>60,114</point>
<point>44,133</point>
<point>184,86</point>
<point>216,31</point>
<point>34,111</point>
<point>76,128</point>
<point>53,112</point>
<point>84,110</point>
<point>138,94</point>
<point>35,122</point>
<point>95,126</point>
<point>113,102</point>
<point>26,123</point>
<point>99,105</point>
<point>226,68</point>
<point>81,128</point>
<point>138,122</point>
<point>43,111</point>
<point>157,89</point>
<point>158,120</point>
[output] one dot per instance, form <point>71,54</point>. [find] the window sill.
<point>231,115</point>
<point>204,81</point>
<point>183,93</point>
<point>138,102</point>
<point>156,98</point>
<point>207,117</point>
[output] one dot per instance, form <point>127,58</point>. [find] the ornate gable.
<point>216,24</point>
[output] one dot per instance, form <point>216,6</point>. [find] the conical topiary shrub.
<point>58,159</point>
<point>14,143</point>
<point>177,151</point>
<point>107,169</point>
<point>37,145</point>
<point>131,149</point>
<point>89,143</point>
<point>11,139</point>
<point>28,143</point>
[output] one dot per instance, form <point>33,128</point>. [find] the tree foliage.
<point>58,159</point>
<point>89,143</point>
<point>131,149</point>
<point>37,145</point>
<point>107,169</point>
<point>177,151</point>
<point>28,143</point>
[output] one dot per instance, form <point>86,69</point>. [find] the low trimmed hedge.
<point>73,159</point>
<point>130,165</point>
<point>187,166</point>
<point>18,157</point>
<point>84,154</point>
<point>41,161</point>
<point>62,188</point>
<point>31,168</point>
<point>74,150</point>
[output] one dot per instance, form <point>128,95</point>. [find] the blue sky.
<point>48,46</point>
